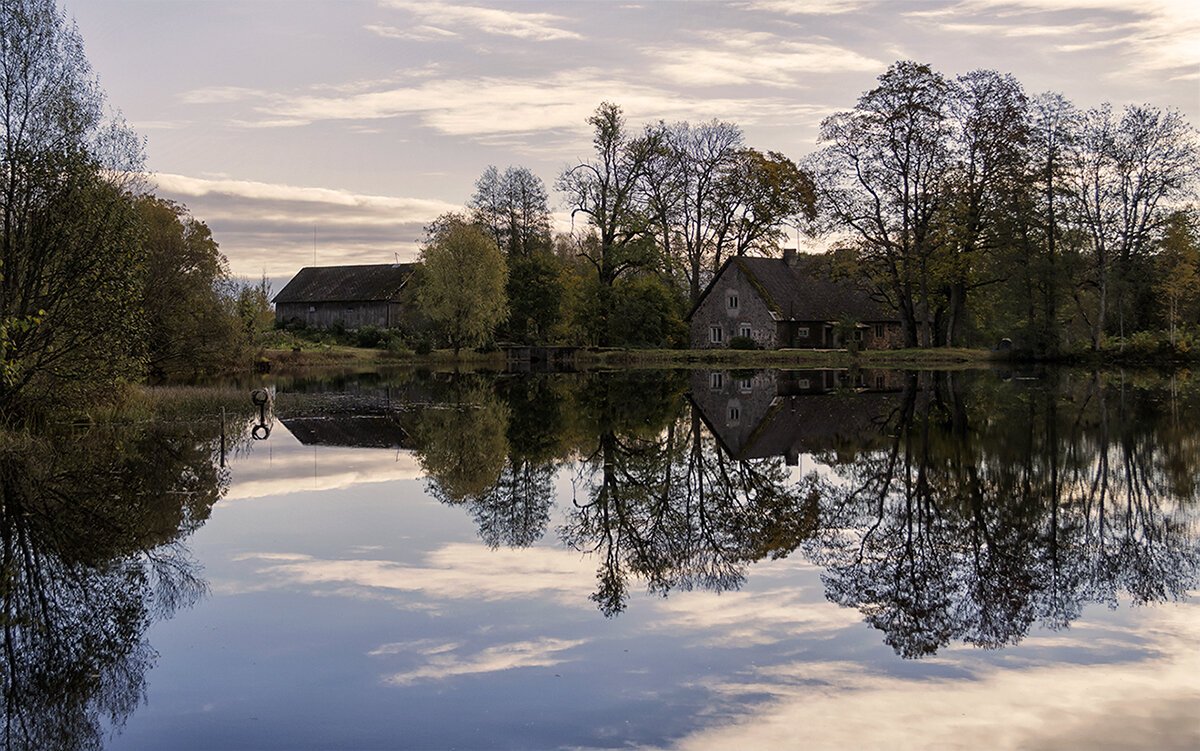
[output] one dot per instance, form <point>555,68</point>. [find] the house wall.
<point>715,311</point>
<point>733,404</point>
<point>883,335</point>
<point>323,315</point>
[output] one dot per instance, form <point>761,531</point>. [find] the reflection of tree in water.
<point>660,501</point>
<point>90,529</point>
<point>981,519</point>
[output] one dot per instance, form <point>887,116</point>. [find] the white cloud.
<point>547,107</point>
<point>538,27</point>
<point>745,58</point>
<point>443,663</point>
<point>268,226</point>
<point>1146,703</point>
<point>1157,35</point>
<point>423,33</point>
<point>457,571</point>
<point>809,7</point>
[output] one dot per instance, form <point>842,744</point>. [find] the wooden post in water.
<point>222,437</point>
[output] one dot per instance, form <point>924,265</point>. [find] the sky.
<point>335,131</point>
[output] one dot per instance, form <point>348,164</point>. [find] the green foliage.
<point>192,315</point>
<point>742,342</point>
<point>535,298</point>
<point>69,258</point>
<point>462,287</point>
<point>254,309</point>
<point>369,336</point>
<point>644,313</point>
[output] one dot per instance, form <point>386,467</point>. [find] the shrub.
<point>369,337</point>
<point>424,347</point>
<point>742,342</point>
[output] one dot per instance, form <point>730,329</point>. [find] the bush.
<point>424,347</point>
<point>742,342</point>
<point>369,337</point>
<point>395,345</point>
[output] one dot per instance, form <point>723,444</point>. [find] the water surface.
<point>704,559</point>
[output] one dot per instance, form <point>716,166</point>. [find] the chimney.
<point>789,257</point>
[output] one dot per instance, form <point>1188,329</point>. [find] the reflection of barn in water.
<point>355,415</point>
<point>755,415</point>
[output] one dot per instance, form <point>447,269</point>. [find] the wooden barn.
<point>354,296</point>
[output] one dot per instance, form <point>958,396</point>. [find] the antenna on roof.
<point>314,245</point>
<point>397,255</point>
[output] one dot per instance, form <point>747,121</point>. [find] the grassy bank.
<point>285,360</point>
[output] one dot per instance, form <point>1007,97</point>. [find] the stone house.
<point>355,296</point>
<point>783,303</point>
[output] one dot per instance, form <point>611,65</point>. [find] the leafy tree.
<point>192,317</point>
<point>69,259</point>
<point>606,192</point>
<point>463,281</point>
<point>881,179</point>
<point>1179,269</point>
<point>514,208</point>
<point>254,308</point>
<point>535,294</point>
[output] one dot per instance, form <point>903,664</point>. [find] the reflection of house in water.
<point>364,431</point>
<point>754,415</point>
<point>382,417</point>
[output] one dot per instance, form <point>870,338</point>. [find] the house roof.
<point>377,282</point>
<point>799,293</point>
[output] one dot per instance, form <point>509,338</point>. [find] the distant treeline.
<point>975,211</point>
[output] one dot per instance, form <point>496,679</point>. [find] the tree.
<point>69,259</point>
<point>1179,268</point>
<point>463,282</point>
<point>514,208</point>
<point>606,191</point>
<point>882,180</point>
<point>535,295</point>
<point>192,323</point>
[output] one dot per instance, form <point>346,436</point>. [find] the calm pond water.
<point>651,559</point>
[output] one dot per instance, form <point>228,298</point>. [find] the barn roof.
<point>799,292</point>
<point>377,282</point>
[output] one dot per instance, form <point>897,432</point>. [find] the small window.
<point>718,380</point>
<point>312,308</point>
<point>734,413</point>
<point>733,301</point>
<point>745,330</point>
<point>802,332</point>
<point>802,383</point>
<point>858,335</point>
<point>714,334</point>
<point>880,382</point>
<point>745,385</point>
<point>879,331</point>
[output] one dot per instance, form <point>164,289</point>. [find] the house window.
<point>880,382</point>
<point>802,332</point>
<point>734,413</point>
<point>858,335</point>
<point>879,331</point>
<point>718,380</point>
<point>733,301</point>
<point>745,330</point>
<point>745,385</point>
<point>802,383</point>
<point>714,334</point>
<point>312,308</point>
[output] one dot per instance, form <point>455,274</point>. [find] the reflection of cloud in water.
<point>747,619</point>
<point>1133,704</point>
<point>285,466</point>
<point>444,662</point>
<point>454,572</point>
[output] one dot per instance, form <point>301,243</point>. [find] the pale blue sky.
<point>367,119</point>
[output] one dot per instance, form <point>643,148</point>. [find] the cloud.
<point>1148,703</point>
<point>457,571</point>
<point>747,58</point>
<point>444,663</point>
<point>537,27</point>
<point>543,112</point>
<point>1156,35</point>
<point>422,33</point>
<point>270,226</point>
<point>809,7</point>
